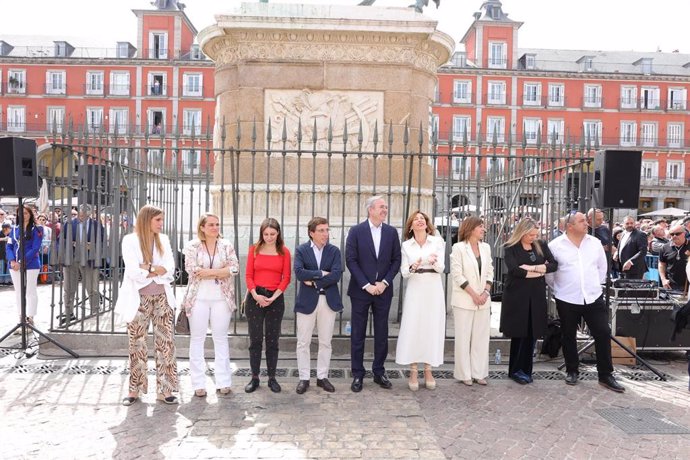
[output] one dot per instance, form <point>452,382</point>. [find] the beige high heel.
<point>429,381</point>
<point>413,385</point>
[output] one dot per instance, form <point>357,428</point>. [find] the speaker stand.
<point>23,324</point>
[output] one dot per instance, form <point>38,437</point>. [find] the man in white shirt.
<point>577,288</point>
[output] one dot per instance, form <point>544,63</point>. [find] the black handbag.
<point>182,323</point>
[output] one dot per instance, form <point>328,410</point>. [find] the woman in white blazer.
<point>146,296</point>
<point>472,272</point>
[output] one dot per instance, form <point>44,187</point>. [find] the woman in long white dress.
<point>423,325</point>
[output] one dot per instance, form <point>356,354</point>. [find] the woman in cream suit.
<point>472,273</point>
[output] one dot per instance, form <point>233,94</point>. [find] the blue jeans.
<point>4,272</point>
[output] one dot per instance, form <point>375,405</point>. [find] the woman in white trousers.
<point>211,263</point>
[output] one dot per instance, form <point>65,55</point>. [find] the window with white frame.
<point>192,84</point>
<point>119,83</point>
<point>157,84</point>
<point>592,130</point>
<point>462,91</point>
<point>94,119</point>
<point>628,133</point>
<point>592,96</point>
<point>461,167</point>
<point>556,95</point>
<point>554,131</point>
<point>497,92</point>
<point>677,98</point>
<point>531,129</point>
<point>628,97</point>
<point>191,122</point>
<point>648,134</point>
<point>649,98</point>
<point>119,118</point>
<point>94,83</point>
<point>531,165</point>
<point>495,126</point>
<point>156,119</point>
<point>650,171</point>
<point>16,119</point>
<point>158,45</point>
<point>155,158</point>
<point>55,118</point>
<point>55,82</point>
<point>494,166</point>
<point>531,94</point>
<point>674,134</point>
<point>16,81</point>
<point>530,61</point>
<point>497,55</point>
<point>462,128</point>
<point>435,120</point>
<point>191,161</point>
<point>675,172</point>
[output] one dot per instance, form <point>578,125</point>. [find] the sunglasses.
<point>676,233</point>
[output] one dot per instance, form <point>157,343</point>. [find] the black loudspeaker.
<point>617,179</point>
<point>18,175</point>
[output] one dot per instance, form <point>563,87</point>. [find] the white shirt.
<point>581,270</point>
<point>318,252</point>
<point>624,240</point>
<point>376,235</point>
<point>209,289</point>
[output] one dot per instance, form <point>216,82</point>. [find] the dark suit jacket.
<point>635,250</point>
<point>95,235</point>
<point>306,269</point>
<point>365,268</point>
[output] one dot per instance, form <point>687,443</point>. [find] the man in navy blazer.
<point>372,255</point>
<point>318,268</point>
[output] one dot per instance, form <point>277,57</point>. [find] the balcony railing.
<point>45,128</point>
<point>664,182</point>
<point>15,88</point>
<point>157,90</point>
<point>52,90</point>
<point>119,90</point>
<point>192,91</point>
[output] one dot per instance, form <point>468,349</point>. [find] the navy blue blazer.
<point>365,268</point>
<point>306,269</point>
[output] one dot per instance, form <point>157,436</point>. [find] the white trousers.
<point>472,330</point>
<point>219,315</point>
<point>324,319</point>
<point>31,294</point>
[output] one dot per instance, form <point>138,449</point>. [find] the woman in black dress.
<point>523,310</point>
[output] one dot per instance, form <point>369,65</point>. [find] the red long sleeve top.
<point>270,272</point>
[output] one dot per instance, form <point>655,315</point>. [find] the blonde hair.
<point>523,227</point>
<point>147,238</point>
<point>202,221</point>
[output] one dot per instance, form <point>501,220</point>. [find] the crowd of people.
<point>573,264</point>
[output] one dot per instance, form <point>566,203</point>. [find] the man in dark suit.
<point>632,250</point>
<point>318,268</point>
<point>372,255</point>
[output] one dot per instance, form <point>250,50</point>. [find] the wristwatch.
<point>151,269</point>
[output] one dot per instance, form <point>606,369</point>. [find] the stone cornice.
<point>449,70</point>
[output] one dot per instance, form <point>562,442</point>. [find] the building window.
<point>554,131</point>
<point>94,83</point>
<point>156,121</point>
<point>459,59</point>
<point>462,129</point>
<point>122,50</point>
<point>191,122</point>
<point>677,98</point>
<point>16,119</point>
<point>531,128</point>
<point>191,161</point>
<point>119,118</point>
<point>157,84</point>
<point>497,56</point>
<point>495,126</point>
<point>530,62</point>
<point>462,91</point>
<point>650,172</point>
<point>628,133</point>
<point>119,83</point>
<point>154,158</point>
<point>532,94</point>
<point>556,95</point>
<point>648,134</point>
<point>158,45</point>
<point>675,172</point>
<point>55,82</point>
<point>497,92</point>
<point>55,118</point>
<point>628,97</point>
<point>592,96</point>
<point>674,134</point>
<point>494,166</point>
<point>16,82</point>
<point>592,132</point>
<point>461,167</point>
<point>649,98</point>
<point>192,85</point>
<point>94,119</point>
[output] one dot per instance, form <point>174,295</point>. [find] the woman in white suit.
<point>472,272</point>
<point>146,296</point>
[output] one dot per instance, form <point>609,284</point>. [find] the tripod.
<point>23,324</point>
<point>607,297</point>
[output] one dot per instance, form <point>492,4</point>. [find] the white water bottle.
<point>348,328</point>
<point>497,358</point>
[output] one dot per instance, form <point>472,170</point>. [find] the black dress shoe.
<point>610,382</point>
<point>325,384</point>
<point>356,384</point>
<point>571,378</point>
<point>383,382</point>
<point>302,386</point>
<point>273,385</point>
<point>252,385</point>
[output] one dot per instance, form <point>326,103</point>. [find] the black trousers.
<point>360,315</point>
<point>522,351</point>
<point>596,317</point>
<point>264,321</point>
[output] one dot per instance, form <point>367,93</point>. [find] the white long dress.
<point>423,324</point>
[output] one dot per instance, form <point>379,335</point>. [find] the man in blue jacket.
<point>318,268</point>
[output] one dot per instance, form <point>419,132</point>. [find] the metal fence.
<point>254,173</point>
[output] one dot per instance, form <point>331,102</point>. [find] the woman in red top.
<point>267,276</point>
